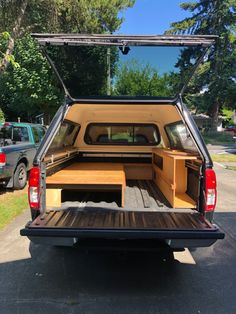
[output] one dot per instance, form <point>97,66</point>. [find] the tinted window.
<point>38,133</point>
<point>20,134</point>
<point>41,131</point>
<point>179,137</point>
<point>65,136</point>
<point>11,134</point>
<point>122,134</point>
<point>138,71</point>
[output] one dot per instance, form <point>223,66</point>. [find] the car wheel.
<point>20,177</point>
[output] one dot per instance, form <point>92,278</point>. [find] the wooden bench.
<point>87,176</point>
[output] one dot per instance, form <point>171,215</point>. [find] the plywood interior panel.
<point>165,186</point>
<point>169,169</point>
<point>53,197</point>
<point>138,171</point>
<point>171,176</point>
<point>180,176</point>
<point>84,114</point>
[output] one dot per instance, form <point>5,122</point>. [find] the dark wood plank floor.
<point>113,219</point>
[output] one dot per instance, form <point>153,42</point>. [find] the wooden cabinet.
<point>170,175</point>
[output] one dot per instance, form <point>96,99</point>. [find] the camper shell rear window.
<point>122,134</point>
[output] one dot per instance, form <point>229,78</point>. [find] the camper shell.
<point>122,167</point>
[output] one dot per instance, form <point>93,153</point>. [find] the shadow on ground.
<point>68,280</point>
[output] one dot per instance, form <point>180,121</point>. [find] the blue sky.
<point>151,16</point>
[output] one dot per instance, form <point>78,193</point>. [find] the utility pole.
<point>108,71</point>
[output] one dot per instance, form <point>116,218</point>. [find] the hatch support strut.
<point>193,71</point>
<point>67,94</point>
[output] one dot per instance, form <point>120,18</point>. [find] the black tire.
<point>20,177</point>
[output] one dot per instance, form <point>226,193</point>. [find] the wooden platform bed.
<point>168,172</point>
<point>86,176</point>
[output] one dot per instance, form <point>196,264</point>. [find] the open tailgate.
<point>178,229</point>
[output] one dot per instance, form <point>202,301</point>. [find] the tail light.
<point>3,159</point>
<point>34,188</point>
<point>210,190</point>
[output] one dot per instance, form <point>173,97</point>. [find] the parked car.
<point>18,145</point>
<point>231,129</point>
<point>117,168</point>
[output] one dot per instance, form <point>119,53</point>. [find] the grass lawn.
<point>218,138</point>
<point>11,205</point>
<point>232,168</point>
<point>223,157</point>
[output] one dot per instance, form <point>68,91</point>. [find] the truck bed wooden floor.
<point>113,219</point>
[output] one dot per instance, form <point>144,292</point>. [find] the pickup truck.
<point>123,167</point>
<point>18,145</point>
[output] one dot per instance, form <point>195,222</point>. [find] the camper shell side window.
<point>179,137</point>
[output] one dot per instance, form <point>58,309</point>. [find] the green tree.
<point>2,118</point>
<point>214,85</point>
<point>28,85</point>
<point>135,79</point>
<point>18,17</point>
<point>6,17</point>
<point>29,89</point>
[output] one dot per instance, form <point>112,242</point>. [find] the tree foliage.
<point>134,79</point>
<point>82,16</point>
<point>83,69</point>
<point>214,85</point>
<point>29,89</point>
<point>2,118</point>
<point>27,82</point>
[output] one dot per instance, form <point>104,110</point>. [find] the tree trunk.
<point>215,115</point>
<point>11,43</point>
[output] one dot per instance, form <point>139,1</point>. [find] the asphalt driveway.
<point>37,279</point>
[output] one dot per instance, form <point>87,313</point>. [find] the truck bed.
<point>140,195</point>
<point>93,218</point>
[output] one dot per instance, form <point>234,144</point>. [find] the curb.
<point>220,165</point>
